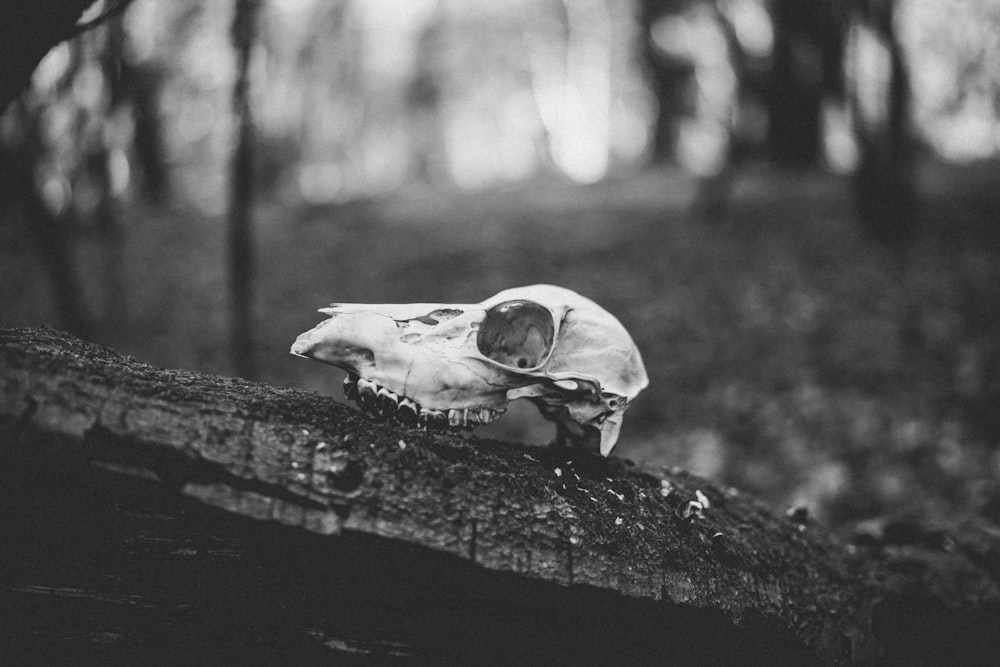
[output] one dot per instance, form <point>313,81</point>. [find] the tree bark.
<point>126,494</point>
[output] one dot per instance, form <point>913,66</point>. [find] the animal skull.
<point>459,365</point>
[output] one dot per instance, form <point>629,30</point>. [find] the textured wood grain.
<point>575,520</point>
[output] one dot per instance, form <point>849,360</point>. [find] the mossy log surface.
<point>150,511</point>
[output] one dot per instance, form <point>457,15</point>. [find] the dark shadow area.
<point>106,568</point>
<point>918,632</point>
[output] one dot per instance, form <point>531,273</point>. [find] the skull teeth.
<point>408,412</point>
<point>382,403</point>
<point>432,419</point>
<point>351,387</point>
<point>386,402</point>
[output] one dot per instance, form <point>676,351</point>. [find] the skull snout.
<point>327,344</point>
<point>346,356</point>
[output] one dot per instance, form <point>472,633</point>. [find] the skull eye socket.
<point>518,334</point>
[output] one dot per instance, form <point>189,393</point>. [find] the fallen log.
<point>150,513</point>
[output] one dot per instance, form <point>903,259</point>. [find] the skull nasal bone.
<point>334,353</point>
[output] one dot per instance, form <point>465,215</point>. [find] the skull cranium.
<point>461,364</point>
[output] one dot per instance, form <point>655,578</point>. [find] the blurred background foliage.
<point>792,204</point>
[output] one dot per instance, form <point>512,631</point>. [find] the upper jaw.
<point>387,378</point>
<point>383,402</point>
<point>371,346</point>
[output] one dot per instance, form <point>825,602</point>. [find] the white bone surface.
<point>592,369</point>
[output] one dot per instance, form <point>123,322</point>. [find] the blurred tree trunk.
<point>885,193</point>
<point>715,190</point>
<point>241,250</point>
<point>27,32</point>
<point>137,84</point>
<point>51,234</point>
<point>670,78</point>
<point>100,163</point>
<point>143,84</point>
<point>808,51</point>
<point>423,101</point>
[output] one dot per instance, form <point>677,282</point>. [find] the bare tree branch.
<point>28,30</point>
<point>117,9</point>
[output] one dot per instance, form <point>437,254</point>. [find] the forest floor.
<point>788,354</point>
